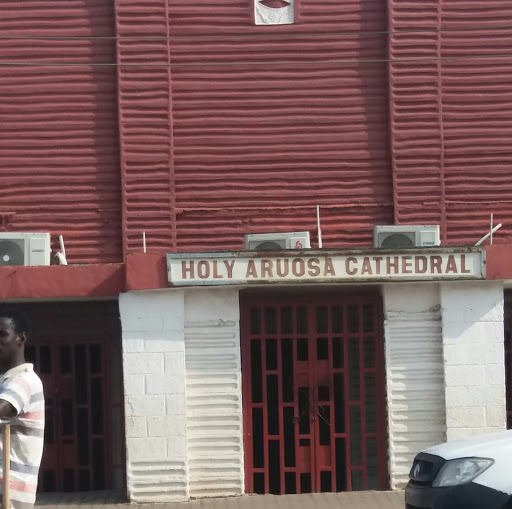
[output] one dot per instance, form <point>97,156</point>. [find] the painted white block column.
<point>154,380</point>
<point>414,374</point>
<point>214,392</point>
<point>474,362</point>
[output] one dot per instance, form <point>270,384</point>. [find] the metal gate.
<point>75,352</point>
<point>508,354</point>
<point>313,379</point>
<point>508,376</point>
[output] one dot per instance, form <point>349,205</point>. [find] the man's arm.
<point>6,410</point>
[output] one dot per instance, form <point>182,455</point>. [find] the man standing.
<point>22,402</point>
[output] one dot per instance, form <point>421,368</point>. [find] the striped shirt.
<point>23,389</point>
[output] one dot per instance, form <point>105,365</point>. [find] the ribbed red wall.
<point>451,111</point>
<point>271,121</point>
<point>477,119</point>
<point>227,128</point>
<point>145,104</point>
<point>59,168</point>
<point>250,128</point>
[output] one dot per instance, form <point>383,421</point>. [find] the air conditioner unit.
<point>24,249</point>
<point>277,241</point>
<point>398,237</point>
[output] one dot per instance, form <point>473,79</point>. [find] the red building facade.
<point>193,126</point>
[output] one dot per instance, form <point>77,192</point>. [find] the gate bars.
<point>314,401</point>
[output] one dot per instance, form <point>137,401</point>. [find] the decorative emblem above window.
<point>274,12</point>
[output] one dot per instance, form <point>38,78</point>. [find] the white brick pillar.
<point>474,362</point>
<point>414,372</point>
<point>155,401</point>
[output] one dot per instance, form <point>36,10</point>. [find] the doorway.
<point>508,355</point>
<point>313,390</point>
<point>76,350</point>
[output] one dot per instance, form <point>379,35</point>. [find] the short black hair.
<point>19,318</point>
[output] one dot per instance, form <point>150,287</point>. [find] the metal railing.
<point>6,462</point>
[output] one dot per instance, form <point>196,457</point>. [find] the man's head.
<point>14,330</point>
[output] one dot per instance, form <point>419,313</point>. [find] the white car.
<point>471,474</point>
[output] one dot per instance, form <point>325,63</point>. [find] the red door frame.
<point>316,374</point>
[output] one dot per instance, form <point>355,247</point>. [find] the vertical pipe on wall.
<point>391,112</point>
<point>318,226</point>
<point>172,172</point>
<point>444,232</point>
<point>122,150</point>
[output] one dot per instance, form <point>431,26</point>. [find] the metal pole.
<point>318,226</point>
<point>6,497</point>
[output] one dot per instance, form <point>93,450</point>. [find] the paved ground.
<point>361,500</point>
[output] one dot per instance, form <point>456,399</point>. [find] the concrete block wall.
<point>155,399</point>
<point>182,375</point>
<point>414,374</point>
<point>474,362</point>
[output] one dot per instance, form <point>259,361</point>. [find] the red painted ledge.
<point>149,271</point>
<point>499,261</point>
<point>141,272</point>
<point>146,271</point>
<point>62,281</point>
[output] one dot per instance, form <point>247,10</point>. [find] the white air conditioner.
<point>398,237</point>
<point>277,241</point>
<point>24,249</point>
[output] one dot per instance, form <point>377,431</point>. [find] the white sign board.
<point>320,266</point>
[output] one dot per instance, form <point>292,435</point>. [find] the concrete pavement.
<point>356,500</point>
<point>366,500</point>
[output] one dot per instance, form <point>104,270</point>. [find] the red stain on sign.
<point>275,4</point>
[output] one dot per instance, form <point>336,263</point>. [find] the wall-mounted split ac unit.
<point>277,241</point>
<point>399,237</point>
<point>25,249</point>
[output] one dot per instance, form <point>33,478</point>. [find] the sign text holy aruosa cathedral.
<point>325,266</point>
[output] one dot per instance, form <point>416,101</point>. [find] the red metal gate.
<point>75,349</point>
<point>313,378</point>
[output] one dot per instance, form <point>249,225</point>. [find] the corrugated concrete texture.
<point>477,118</point>
<point>227,128</point>
<point>214,394</point>
<point>451,115</point>
<point>266,128</point>
<point>146,132</point>
<point>250,128</point>
<point>59,164</point>
<point>415,381</point>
